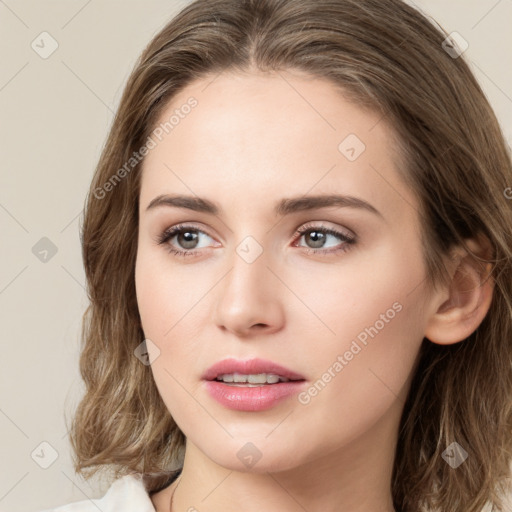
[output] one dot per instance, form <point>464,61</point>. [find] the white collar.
<point>126,493</point>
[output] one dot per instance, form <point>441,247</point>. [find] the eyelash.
<point>168,234</point>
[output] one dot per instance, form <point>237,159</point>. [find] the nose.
<point>248,300</point>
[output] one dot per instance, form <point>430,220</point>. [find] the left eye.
<point>318,236</point>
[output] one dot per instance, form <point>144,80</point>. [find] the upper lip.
<point>247,367</point>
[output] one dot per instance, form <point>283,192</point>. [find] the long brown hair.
<point>386,56</point>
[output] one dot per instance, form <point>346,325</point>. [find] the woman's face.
<point>284,269</point>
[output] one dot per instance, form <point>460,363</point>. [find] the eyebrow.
<point>283,207</point>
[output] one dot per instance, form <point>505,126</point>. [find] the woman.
<point>298,253</point>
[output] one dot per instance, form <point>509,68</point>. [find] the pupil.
<point>320,238</point>
<point>188,237</point>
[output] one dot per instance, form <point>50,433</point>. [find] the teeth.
<point>260,378</point>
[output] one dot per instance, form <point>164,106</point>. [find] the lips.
<point>247,367</point>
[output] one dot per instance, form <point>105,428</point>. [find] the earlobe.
<point>469,298</point>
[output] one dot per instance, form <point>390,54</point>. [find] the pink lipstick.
<point>251,385</point>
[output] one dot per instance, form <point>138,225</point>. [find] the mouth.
<point>251,386</point>
<point>253,380</point>
<point>250,373</point>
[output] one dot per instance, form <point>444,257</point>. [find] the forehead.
<point>274,105</point>
<point>265,131</point>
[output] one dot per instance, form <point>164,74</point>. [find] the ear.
<point>463,304</point>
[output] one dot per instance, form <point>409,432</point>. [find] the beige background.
<point>55,115</point>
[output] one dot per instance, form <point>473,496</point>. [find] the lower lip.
<point>258,398</point>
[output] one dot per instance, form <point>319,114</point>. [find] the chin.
<point>252,456</point>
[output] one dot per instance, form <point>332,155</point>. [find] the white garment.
<point>126,494</point>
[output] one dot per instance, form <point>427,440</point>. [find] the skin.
<point>251,141</point>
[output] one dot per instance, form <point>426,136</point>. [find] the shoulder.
<point>127,493</point>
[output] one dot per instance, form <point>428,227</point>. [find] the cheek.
<point>169,302</point>
<point>162,293</point>
<point>163,310</point>
<point>364,365</point>
<point>154,301</point>
<point>362,380</point>
<point>149,292</point>
<point>344,300</point>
